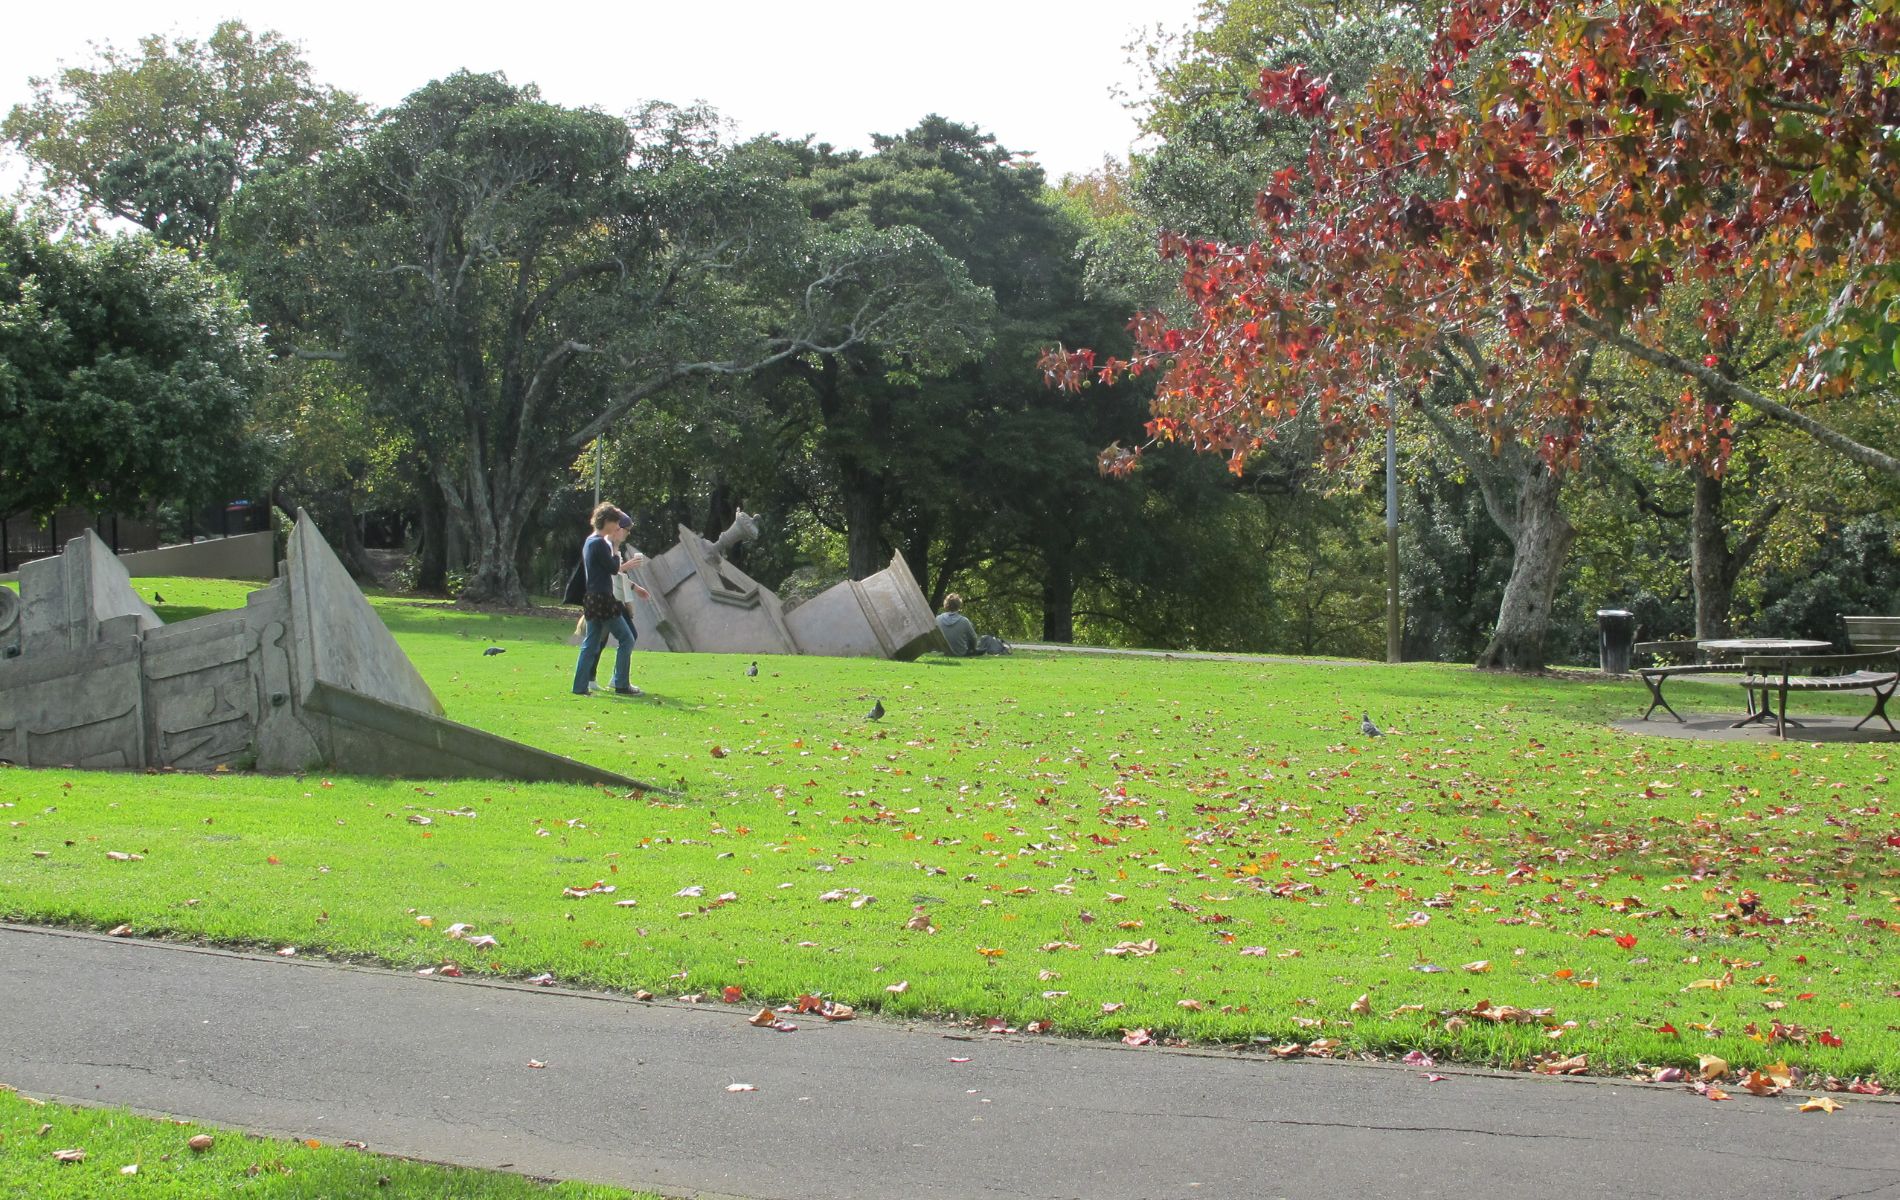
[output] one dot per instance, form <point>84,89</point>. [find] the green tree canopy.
<point>125,373</point>
<point>163,137</point>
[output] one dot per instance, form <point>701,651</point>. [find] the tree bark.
<point>1058,601</point>
<point>1541,536</point>
<point>1716,565</point>
<point>432,559</point>
<point>863,517</point>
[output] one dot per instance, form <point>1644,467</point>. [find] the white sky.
<point>1036,73</point>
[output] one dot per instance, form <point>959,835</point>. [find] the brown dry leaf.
<point>1109,1006</point>
<point>1715,1093</point>
<point>837,1012</point>
<point>535,1064</point>
<point>199,1143</point>
<point>1710,1066</point>
<point>1137,1037</point>
<point>119,931</point>
<point>764,1016</point>
<point>1576,1064</point>
<point>1759,1083</point>
<point>1477,968</point>
<point>1192,1005</point>
<point>1779,1073</point>
<point>1322,1048</point>
<point>1361,1006</point>
<point>1289,1050</point>
<point>732,993</point>
<point>1820,1104</point>
<point>898,988</point>
<point>741,1087</point>
<point>69,1156</point>
<point>1141,949</point>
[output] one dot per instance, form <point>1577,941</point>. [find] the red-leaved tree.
<point>1531,196</point>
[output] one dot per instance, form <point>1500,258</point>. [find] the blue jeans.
<point>595,642</point>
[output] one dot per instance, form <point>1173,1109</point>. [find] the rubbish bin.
<point>1616,633</point>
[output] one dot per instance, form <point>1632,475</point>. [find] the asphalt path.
<point>637,1094</point>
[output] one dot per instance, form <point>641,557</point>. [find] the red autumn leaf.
<point>732,993</point>
<point>1627,941</point>
<point>1137,1037</point>
<point>1827,1037</point>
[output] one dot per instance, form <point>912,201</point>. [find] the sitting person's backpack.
<point>989,643</point>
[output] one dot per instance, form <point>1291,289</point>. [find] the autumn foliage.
<point>1534,193</point>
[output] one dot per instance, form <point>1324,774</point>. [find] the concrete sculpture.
<point>303,677</point>
<point>697,600</point>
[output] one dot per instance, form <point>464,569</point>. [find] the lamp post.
<point>1392,624</point>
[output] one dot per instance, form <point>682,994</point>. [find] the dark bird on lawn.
<point>752,670</point>
<point>493,650</point>
<point>1367,727</point>
<point>157,599</point>
<point>877,710</point>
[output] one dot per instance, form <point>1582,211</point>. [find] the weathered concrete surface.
<point>305,676</point>
<point>636,1094</point>
<point>240,556</point>
<point>699,601</point>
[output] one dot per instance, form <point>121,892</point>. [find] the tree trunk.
<point>1058,602</point>
<point>863,518</point>
<point>1709,560</point>
<point>1540,536</point>
<point>432,559</point>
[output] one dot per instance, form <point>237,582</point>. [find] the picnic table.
<point>1746,648</point>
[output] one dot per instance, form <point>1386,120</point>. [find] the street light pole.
<point>1392,624</point>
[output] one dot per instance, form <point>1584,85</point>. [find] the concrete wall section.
<point>245,556</point>
<point>339,638</point>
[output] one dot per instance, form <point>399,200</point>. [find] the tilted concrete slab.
<point>699,601</point>
<point>304,677</point>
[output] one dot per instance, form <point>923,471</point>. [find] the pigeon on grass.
<point>492,651</point>
<point>1367,727</point>
<point>752,670</point>
<point>877,710</point>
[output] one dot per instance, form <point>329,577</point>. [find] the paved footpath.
<point>636,1094</point>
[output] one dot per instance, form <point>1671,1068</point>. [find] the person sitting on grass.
<point>960,634</point>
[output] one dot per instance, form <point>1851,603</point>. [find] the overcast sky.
<point>1036,73</point>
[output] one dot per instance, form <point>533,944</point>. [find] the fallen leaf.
<point>1418,1058</point>
<point>732,993</point>
<point>1576,1064</point>
<point>119,931</point>
<point>1192,1005</point>
<point>129,1169</point>
<point>69,1156</point>
<point>837,1012</point>
<point>898,988</point>
<point>741,1087</point>
<point>1712,1067</point>
<point>545,979</point>
<point>287,952</point>
<point>1137,1037</point>
<point>536,1064</point>
<point>1820,1104</point>
<point>960,1060</point>
<point>1758,1083</point>
<point>199,1143</point>
<point>1477,968</point>
<point>1362,1005</point>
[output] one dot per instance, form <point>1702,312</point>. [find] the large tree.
<point>125,373</point>
<point>509,278</point>
<point>163,137</point>
<point>1524,200</point>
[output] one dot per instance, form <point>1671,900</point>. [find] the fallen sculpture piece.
<point>697,600</point>
<point>303,677</point>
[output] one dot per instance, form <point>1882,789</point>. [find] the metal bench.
<point>1656,675</point>
<point>1780,674</point>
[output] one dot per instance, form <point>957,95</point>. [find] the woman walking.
<point>606,616</point>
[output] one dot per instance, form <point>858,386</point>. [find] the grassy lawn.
<point>1200,850</point>
<point>126,1154</point>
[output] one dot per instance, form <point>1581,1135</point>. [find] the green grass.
<point>235,1164</point>
<point>1040,810</point>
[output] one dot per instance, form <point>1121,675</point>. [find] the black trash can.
<point>1616,633</point>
